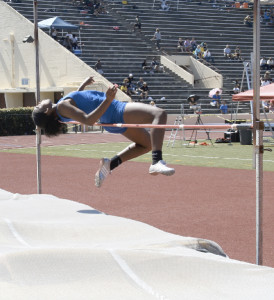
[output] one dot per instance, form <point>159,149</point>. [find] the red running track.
<point>210,203</point>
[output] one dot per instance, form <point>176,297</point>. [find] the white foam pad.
<point>53,248</point>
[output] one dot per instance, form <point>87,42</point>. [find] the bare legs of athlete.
<point>143,141</point>
<point>139,113</point>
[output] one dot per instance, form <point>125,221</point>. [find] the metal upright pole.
<point>38,131</point>
<point>257,133</point>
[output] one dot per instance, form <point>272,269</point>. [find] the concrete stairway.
<point>218,26</point>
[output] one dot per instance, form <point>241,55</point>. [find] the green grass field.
<point>235,156</point>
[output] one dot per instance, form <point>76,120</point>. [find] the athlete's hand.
<point>111,92</point>
<point>89,80</point>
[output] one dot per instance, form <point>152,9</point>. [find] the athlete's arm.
<point>86,82</point>
<point>67,110</point>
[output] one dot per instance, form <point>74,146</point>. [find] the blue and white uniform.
<point>88,101</point>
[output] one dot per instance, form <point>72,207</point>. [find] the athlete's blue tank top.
<point>88,101</point>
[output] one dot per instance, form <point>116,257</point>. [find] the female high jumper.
<point>86,107</point>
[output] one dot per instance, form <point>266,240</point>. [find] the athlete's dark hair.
<point>49,123</point>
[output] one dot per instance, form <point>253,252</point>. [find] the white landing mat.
<point>53,249</point>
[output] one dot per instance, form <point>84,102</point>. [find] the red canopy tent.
<point>266,93</point>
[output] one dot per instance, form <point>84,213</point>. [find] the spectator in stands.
<point>264,82</point>
<point>139,84</point>
<point>92,10</point>
<point>263,64</point>
<point>198,52</point>
<point>144,91</point>
<point>271,107</point>
<point>247,21</point>
<point>271,22</point>
<point>74,41</point>
<point>192,101</point>
<point>266,79</point>
<point>123,87</point>
<point>69,35</point>
<point>203,46</point>
<point>223,107</point>
<point>227,52</point>
<point>270,63</point>
<point>155,66</point>
<point>180,45</point>
<point>98,67</point>
<point>266,16</point>
<point>98,7</point>
<point>158,38</point>
<point>129,89</point>
<point>131,85</point>
<point>207,56</point>
<point>138,24</point>
<point>54,33</point>
<point>66,42</point>
<point>237,53</point>
<point>164,5</point>
<point>261,18</point>
<point>145,66</point>
<point>236,88</point>
<point>187,45</point>
<point>193,44</point>
<point>216,99</point>
<point>267,76</point>
<point>130,78</point>
<point>266,105</point>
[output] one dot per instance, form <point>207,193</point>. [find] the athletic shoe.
<point>103,171</point>
<point>161,168</point>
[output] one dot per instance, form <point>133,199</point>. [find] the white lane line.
<point>214,157</point>
<point>16,234</point>
<point>125,267</point>
<point>86,150</point>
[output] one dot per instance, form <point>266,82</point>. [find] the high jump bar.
<point>181,126</point>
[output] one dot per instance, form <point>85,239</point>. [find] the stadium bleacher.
<point>122,51</point>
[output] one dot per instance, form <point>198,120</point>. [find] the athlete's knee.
<point>161,116</point>
<point>146,147</point>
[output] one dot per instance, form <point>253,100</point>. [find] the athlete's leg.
<point>143,141</point>
<point>141,145</point>
<point>139,113</point>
